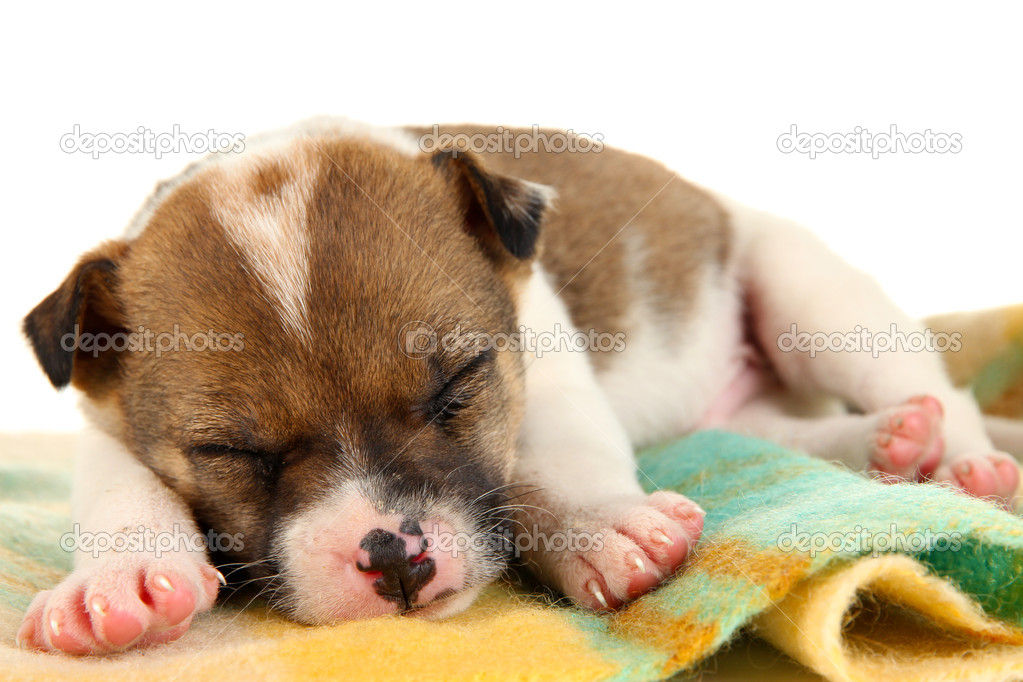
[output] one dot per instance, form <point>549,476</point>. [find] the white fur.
<point>271,232</point>
<point>570,432</point>
<point>671,375</point>
<point>114,492</point>
<point>790,276</point>
<point>671,372</point>
<point>1006,434</point>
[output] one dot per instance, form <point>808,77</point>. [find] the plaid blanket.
<point>855,579</point>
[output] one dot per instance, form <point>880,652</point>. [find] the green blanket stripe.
<point>31,483</point>
<point>33,515</point>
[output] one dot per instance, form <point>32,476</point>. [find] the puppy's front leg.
<point>592,532</point>
<point>140,572</point>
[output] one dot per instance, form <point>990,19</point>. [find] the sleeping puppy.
<point>360,377</point>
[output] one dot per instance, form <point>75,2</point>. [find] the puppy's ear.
<point>502,212</point>
<point>85,303</point>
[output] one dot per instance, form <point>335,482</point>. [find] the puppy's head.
<point>281,358</point>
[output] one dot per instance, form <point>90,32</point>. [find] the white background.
<point>707,89</point>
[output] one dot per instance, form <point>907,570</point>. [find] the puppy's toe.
<point>172,596</point>
<point>993,474</point>
<point>66,625</point>
<point>31,634</point>
<point>115,626</point>
<point>124,602</point>
<point>909,444</point>
<point>639,546</point>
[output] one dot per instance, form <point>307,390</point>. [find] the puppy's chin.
<point>312,611</point>
<point>448,606</point>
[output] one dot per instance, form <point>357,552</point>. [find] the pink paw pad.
<point>170,596</point>
<point>909,444</point>
<point>119,628</point>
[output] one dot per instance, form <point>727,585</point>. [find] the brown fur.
<point>84,303</point>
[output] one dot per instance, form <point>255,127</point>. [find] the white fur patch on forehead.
<point>398,139</point>
<point>269,228</point>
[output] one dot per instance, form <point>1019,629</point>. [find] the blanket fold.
<point>888,619</point>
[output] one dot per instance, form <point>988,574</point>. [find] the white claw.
<point>639,564</point>
<point>54,626</point>
<point>595,590</point>
<point>97,606</point>
<point>163,582</point>
<point>220,577</point>
<point>661,538</point>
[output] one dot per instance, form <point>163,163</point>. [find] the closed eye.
<point>222,450</point>
<point>456,392</point>
<point>266,464</point>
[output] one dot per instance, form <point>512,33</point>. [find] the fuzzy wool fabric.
<point>856,579</point>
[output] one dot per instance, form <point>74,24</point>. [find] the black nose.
<point>401,575</point>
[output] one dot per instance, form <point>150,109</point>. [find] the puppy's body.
<point>633,249</point>
<point>347,458</point>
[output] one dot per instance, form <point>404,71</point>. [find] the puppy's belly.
<point>752,378</point>
<point>672,373</point>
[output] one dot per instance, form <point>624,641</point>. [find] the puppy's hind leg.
<point>795,285</point>
<point>899,441</point>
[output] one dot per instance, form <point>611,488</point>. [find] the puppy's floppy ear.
<point>84,303</point>
<point>502,212</point>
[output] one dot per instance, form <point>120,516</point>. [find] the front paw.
<point>123,601</point>
<point>629,548</point>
